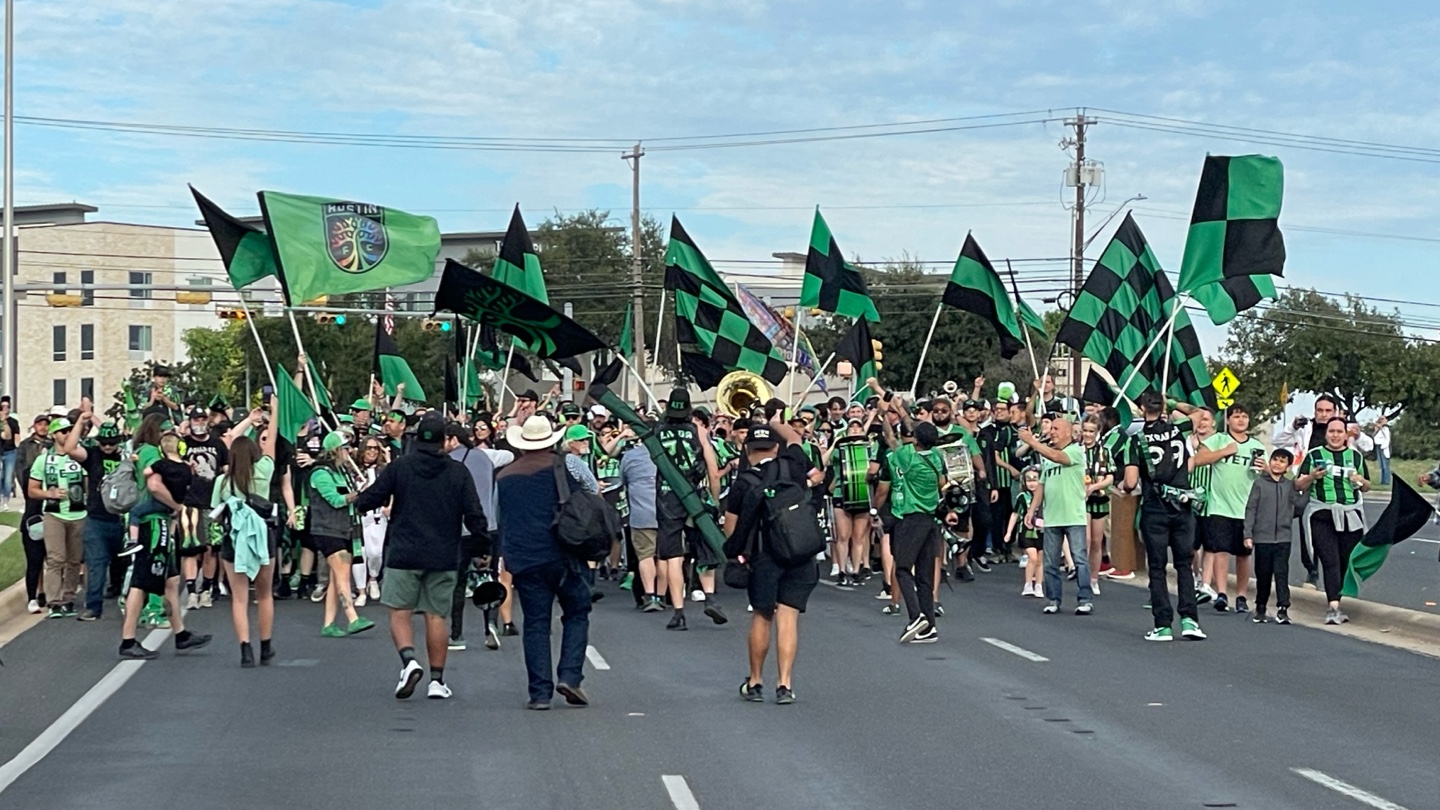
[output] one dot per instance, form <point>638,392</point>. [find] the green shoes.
<point>332,631</point>
<point>360,625</point>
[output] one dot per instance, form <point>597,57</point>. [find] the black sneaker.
<point>138,652</point>
<point>983,564</point>
<point>863,576</point>
<point>1282,616</point>
<point>267,653</point>
<point>927,636</point>
<point>939,610</point>
<point>509,630</point>
<point>130,549</point>
<point>844,581</point>
<point>247,656</point>
<point>192,641</point>
<point>783,696</point>
<point>715,612</point>
<point>1241,606</point>
<point>1312,580</point>
<point>1221,603</point>
<point>653,605</point>
<point>677,622</point>
<point>963,573</point>
<point>1259,617</point>
<point>752,692</point>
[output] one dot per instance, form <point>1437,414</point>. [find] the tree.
<point>217,359</point>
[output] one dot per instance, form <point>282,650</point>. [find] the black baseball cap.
<point>760,437</point>
<point>678,405</point>
<point>431,429</point>
<point>529,393</point>
<point>975,404</point>
<point>198,413</point>
<point>569,408</point>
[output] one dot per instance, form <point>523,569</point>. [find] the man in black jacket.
<point>432,495</point>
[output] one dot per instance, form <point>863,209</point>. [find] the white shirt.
<point>1382,441</point>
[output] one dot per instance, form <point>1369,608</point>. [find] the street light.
<point>1118,209</point>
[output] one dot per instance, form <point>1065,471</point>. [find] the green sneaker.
<point>332,631</point>
<point>1160,634</point>
<point>1189,628</point>
<point>360,625</point>
<point>628,582</point>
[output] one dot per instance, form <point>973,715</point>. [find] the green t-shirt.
<point>1065,488</point>
<point>147,454</point>
<point>1232,476</point>
<point>260,478</point>
<point>53,470</point>
<point>916,481</point>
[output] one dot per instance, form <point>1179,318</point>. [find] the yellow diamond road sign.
<point>1225,384</point>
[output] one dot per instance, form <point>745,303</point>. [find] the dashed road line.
<point>1020,651</point>
<point>596,659</point>
<point>680,794</point>
<point>1347,789</point>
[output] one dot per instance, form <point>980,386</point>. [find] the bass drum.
<point>959,474</point>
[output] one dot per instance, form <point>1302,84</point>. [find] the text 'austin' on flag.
<point>831,284</point>
<point>485,300</point>
<point>332,247</point>
<point>1235,229</point>
<point>975,287</point>
<point>517,264</point>
<point>709,321</point>
<point>245,251</point>
<point>1406,514</point>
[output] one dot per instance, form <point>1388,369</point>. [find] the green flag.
<point>627,332</point>
<point>710,324</point>
<point>392,369</point>
<point>331,247</point>
<point>320,393</point>
<point>1029,316</point>
<point>487,300</point>
<point>1234,229</point>
<point>295,409</point>
<point>1406,514</point>
<point>132,413</point>
<point>976,288</point>
<point>245,251</point>
<point>517,264</point>
<point>831,283</point>
<point>1223,300</point>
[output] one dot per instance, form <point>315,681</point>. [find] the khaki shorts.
<point>644,542</point>
<point>431,592</point>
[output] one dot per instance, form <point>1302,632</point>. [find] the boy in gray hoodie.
<point>1269,514</point>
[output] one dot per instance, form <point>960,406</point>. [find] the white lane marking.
<point>1347,789</point>
<point>75,715</point>
<point>1423,540</point>
<point>596,659</point>
<point>680,794</point>
<point>1011,648</point>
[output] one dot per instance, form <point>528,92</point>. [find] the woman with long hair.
<point>333,530</point>
<point>366,570</point>
<point>1336,476</point>
<point>252,466</point>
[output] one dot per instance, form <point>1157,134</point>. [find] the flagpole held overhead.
<point>254,332</point>
<point>818,374</point>
<point>1029,348</point>
<point>925,349</point>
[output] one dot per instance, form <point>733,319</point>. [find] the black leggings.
<point>1272,562</point>
<point>1332,549</point>
<point>34,551</point>
<point>916,541</point>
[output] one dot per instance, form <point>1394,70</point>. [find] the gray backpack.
<point>118,491</point>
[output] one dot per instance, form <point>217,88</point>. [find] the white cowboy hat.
<point>536,434</point>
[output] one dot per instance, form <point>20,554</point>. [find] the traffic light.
<point>328,317</point>
<point>876,348</point>
<point>230,314</point>
<point>433,325</point>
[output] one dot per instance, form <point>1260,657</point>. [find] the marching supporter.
<point>852,459</point>
<point>482,473</point>
<point>637,475</point>
<point>1270,511</point>
<point>331,520</point>
<point>31,448</point>
<point>691,451</point>
<point>207,456</point>
<point>1203,427</point>
<point>997,441</point>
<point>1062,495</point>
<point>1235,460</point>
<point>1335,475</point>
<point>251,546</point>
<point>490,439</point>
<point>1099,475</point>
<point>372,524</point>
<point>9,442</point>
<point>1167,522</point>
<point>104,532</point>
<point>527,501</point>
<point>778,593</point>
<point>57,478</point>
<point>1029,523</point>
<point>432,495</point>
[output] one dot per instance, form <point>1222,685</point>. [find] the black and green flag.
<point>1189,375</point>
<point>486,300</point>
<point>245,251</point>
<point>1223,300</point>
<point>294,408</point>
<point>490,356</point>
<point>1234,229</point>
<point>391,368</point>
<point>831,283</point>
<point>331,247</point>
<point>709,322</point>
<point>517,264</point>
<point>1406,514</point>
<point>626,346</point>
<point>1097,390</point>
<point>976,288</point>
<point>857,347</point>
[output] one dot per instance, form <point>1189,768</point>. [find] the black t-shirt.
<point>1169,453</point>
<point>176,477</point>
<point>98,465</point>
<point>9,445</point>
<point>682,445</point>
<point>796,465</point>
<point>284,462</point>
<point>208,458</point>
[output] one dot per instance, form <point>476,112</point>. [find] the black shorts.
<point>1224,534</point>
<point>329,546</point>
<point>772,585</point>
<point>307,541</point>
<point>227,548</point>
<point>1202,530</point>
<point>154,564</point>
<point>670,537</point>
<point>1028,542</point>
<point>962,519</point>
<point>887,519</point>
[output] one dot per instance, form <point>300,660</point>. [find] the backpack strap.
<point>562,479</point>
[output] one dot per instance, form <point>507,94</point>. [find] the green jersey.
<point>1334,485</point>
<point>1231,477</point>
<point>1065,488</point>
<point>56,470</point>
<point>916,481</point>
<point>147,454</point>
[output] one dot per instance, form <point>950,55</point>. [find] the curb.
<point>14,619</point>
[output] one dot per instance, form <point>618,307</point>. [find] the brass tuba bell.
<point>741,391</point>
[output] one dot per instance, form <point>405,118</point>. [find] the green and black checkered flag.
<point>709,322</point>
<point>1234,230</point>
<point>857,347</point>
<point>832,284</point>
<point>975,287</point>
<point>1224,300</point>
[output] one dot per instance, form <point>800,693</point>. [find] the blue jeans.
<point>537,589</point>
<point>7,468</point>
<point>1384,462</point>
<point>1054,580</point>
<point>103,539</point>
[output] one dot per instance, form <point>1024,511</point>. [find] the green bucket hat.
<point>361,405</point>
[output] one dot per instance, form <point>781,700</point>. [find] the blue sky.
<point>648,69</point>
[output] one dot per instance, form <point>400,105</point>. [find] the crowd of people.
<point>185,505</point>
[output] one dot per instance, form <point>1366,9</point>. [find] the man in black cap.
<point>104,533</point>
<point>688,446</point>
<point>433,495</point>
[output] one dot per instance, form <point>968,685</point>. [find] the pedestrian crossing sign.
<point>1225,384</point>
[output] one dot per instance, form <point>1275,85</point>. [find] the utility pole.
<point>7,244</point>
<point>1082,177</point>
<point>637,320</point>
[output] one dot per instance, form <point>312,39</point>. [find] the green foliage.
<point>217,359</point>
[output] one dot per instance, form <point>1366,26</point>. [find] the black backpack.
<point>585,525</point>
<point>789,518</point>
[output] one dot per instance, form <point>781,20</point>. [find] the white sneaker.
<point>318,595</point>
<point>1024,561</point>
<point>360,600</point>
<point>192,601</point>
<point>34,607</point>
<point>1037,590</point>
<point>439,691</point>
<point>207,599</point>
<point>409,677</point>
<point>834,570</point>
<point>1095,586</point>
<point>374,589</point>
<point>697,596</point>
<point>1208,591</point>
<point>1027,590</point>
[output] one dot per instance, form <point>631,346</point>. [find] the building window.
<point>59,283</point>
<point>140,337</point>
<point>87,341</point>
<point>87,284</point>
<point>139,289</point>
<point>59,344</point>
<point>87,388</point>
<point>59,398</point>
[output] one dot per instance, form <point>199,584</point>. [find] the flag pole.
<point>820,372</point>
<point>659,324</point>
<point>795,351</point>
<point>636,375</point>
<point>1169,344</point>
<point>254,332</point>
<point>308,368</point>
<point>924,350</point>
<point>1024,331</point>
<point>1145,355</point>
